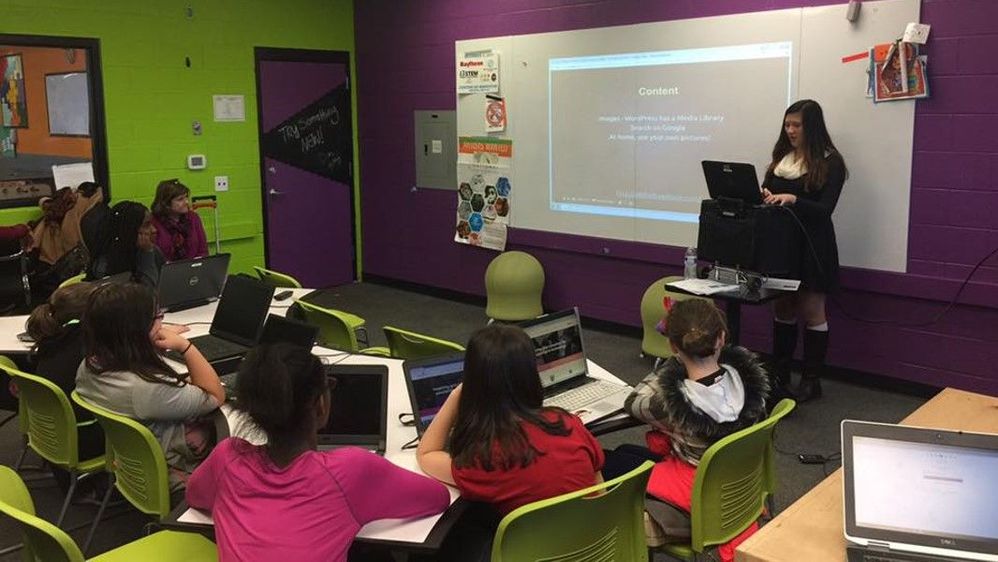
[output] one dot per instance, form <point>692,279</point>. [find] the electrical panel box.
<point>436,149</point>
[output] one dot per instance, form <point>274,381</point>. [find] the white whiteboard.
<point>68,100</point>
<point>876,140</point>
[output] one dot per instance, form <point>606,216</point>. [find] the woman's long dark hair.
<point>501,390</point>
<point>817,142</point>
<point>126,219</point>
<point>278,387</point>
<point>116,326</point>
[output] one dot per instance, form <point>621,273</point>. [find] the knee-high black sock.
<point>784,345</point>
<point>815,350</point>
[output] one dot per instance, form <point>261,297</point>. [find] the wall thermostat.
<point>196,162</point>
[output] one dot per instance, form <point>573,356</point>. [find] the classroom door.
<point>306,159</point>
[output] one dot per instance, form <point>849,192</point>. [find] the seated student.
<point>124,372</point>
<point>58,352</point>
<point>506,448</point>
<point>699,395</point>
<point>130,247</point>
<point>179,232</point>
<point>285,500</point>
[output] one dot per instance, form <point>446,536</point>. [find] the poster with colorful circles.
<point>483,191</point>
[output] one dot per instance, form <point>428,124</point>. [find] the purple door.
<point>306,146</point>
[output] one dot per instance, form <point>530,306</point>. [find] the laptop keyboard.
<point>212,348</point>
<point>579,397</point>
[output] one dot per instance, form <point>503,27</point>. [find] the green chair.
<point>514,282</point>
<point>336,328</point>
<point>72,280</point>
<point>602,522</point>
<point>44,541</point>
<point>52,430</point>
<point>277,279</point>
<point>782,408</point>
<point>652,311</point>
<point>22,420</point>
<point>732,482</point>
<point>404,344</point>
<point>135,459</point>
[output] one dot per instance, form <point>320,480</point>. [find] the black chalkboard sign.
<point>317,138</point>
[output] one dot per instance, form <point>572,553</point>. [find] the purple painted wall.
<point>954,195</point>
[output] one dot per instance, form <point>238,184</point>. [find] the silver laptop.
<point>561,363</point>
<point>913,493</point>
<point>358,411</point>
<point>188,283</point>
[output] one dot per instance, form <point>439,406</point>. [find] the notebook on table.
<point>237,322</point>
<point>430,381</point>
<point>358,410</point>
<point>564,371</point>
<point>914,493</point>
<point>189,283</point>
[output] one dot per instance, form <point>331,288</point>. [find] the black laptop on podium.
<point>732,180</point>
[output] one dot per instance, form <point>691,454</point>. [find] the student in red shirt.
<point>506,449</point>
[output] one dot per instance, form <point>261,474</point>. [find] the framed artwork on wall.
<point>13,101</point>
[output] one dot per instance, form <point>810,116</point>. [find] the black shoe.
<point>808,389</point>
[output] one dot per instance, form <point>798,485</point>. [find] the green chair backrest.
<point>277,279</point>
<point>652,311</point>
<point>729,490</point>
<point>136,459</point>
<point>43,541</point>
<point>514,282</point>
<point>782,408</point>
<point>411,345</point>
<point>602,522</point>
<point>49,418</point>
<point>22,411</point>
<point>334,329</point>
<point>72,280</point>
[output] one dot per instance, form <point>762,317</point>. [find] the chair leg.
<point>100,513</point>
<point>770,507</point>
<point>74,479</point>
<point>658,361</point>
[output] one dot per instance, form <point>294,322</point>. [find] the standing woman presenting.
<point>806,174</point>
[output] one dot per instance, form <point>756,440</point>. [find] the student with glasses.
<point>123,371</point>
<point>179,232</point>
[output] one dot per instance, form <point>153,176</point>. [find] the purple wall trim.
<point>954,186</point>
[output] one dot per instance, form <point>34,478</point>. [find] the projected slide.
<point>627,132</point>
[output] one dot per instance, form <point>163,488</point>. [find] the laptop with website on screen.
<point>913,493</point>
<point>430,381</point>
<point>358,410</point>
<point>564,372</point>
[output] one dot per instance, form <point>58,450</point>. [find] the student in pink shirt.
<point>285,500</point>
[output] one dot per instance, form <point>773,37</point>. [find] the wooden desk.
<point>812,528</point>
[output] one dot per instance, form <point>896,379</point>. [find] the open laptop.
<point>238,319</point>
<point>732,180</point>
<point>913,493</point>
<point>277,329</point>
<point>561,363</point>
<point>430,381</point>
<point>359,408</point>
<point>188,283</point>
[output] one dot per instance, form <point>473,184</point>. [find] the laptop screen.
<point>359,405</point>
<point>921,486</point>
<point>557,342</point>
<point>430,383</point>
<point>192,281</point>
<point>242,309</point>
<point>278,329</point>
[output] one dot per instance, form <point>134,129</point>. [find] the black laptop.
<point>238,320</point>
<point>430,381</point>
<point>358,412</point>
<point>732,180</point>
<point>189,283</point>
<point>277,329</point>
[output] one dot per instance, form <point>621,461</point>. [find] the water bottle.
<point>690,263</point>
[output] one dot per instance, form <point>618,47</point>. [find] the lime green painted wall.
<point>151,97</point>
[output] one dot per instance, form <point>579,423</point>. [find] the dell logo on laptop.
<point>193,280</point>
<point>947,542</point>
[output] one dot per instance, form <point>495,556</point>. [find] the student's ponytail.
<point>65,307</point>
<point>693,326</point>
<point>278,385</point>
